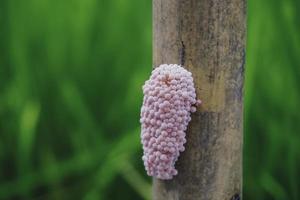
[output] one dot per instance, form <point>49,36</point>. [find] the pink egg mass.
<point>169,99</point>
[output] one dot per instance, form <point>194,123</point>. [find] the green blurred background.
<point>70,92</point>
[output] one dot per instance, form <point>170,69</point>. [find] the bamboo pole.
<point>208,38</point>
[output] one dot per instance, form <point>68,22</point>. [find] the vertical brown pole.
<point>208,38</point>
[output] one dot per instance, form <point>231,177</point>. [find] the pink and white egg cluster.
<point>169,98</point>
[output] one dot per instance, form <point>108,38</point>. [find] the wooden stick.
<point>208,38</point>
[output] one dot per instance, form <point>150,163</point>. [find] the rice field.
<point>70,94</point>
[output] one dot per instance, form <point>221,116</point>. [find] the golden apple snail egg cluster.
<point>169,99</point>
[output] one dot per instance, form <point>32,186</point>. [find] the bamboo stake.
<point>208,38</point>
